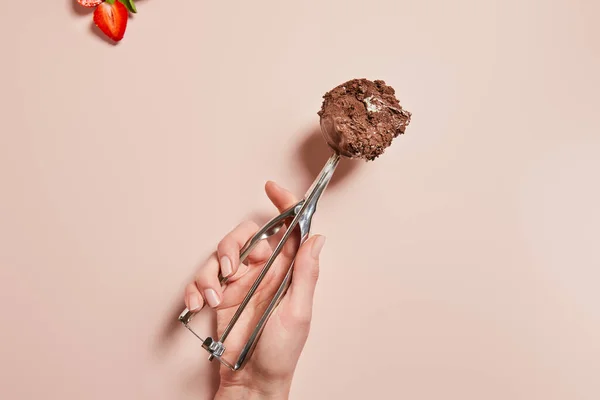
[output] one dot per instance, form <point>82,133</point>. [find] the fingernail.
<point>211,297</point>
<point>194,302</point>
<point>226,268</point>
<point>318,246</point>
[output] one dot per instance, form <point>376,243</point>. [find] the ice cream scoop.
<point>359,119</point>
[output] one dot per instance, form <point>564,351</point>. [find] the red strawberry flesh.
<point>112,19</point>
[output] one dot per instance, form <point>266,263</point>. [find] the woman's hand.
<point>268,372</point>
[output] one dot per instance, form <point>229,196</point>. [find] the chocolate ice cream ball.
<point>360,118</point>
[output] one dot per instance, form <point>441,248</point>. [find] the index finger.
<point>283,199</point>
<point>280,197</point>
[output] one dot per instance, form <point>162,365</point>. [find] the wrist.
<point>242,392</point>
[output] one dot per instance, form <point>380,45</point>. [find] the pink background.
<point>463,264</point>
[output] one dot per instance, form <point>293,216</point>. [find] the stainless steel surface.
<point>298,216</point>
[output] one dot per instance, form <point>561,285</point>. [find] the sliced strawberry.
<point>89,3</point>
<point>111,17</point>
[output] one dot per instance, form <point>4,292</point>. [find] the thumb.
<point>304,281</point>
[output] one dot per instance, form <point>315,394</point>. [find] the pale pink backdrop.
<point>463,264</point>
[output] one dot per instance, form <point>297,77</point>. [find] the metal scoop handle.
<point>300,215</point>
